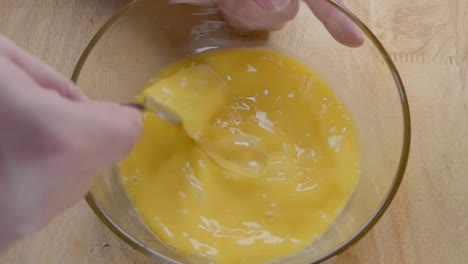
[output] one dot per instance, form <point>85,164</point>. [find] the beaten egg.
<point>264,161</point>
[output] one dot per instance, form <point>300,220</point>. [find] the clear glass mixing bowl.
<point>146,35</point>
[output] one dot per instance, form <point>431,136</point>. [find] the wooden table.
<point>428,220</point>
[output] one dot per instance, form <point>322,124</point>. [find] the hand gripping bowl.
<point>146,35</point>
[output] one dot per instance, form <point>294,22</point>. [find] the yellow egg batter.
<point>265,160</point>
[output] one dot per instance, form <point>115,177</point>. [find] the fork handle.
<point>137,106</point>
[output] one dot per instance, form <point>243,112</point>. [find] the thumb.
<point>113,130</point>
<point>259,14</point>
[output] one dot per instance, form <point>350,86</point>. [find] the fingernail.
<point>275,5</point>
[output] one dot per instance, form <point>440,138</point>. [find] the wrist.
<point>15,221</point>
<point>8,233</point>
<point>7,236</point>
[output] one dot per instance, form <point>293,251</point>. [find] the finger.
<point>18,90</point>
<point>337,23</point>
<point>43,74</point>
<point>111,131</point>
<point>259,14</point>
<point>98,135</point>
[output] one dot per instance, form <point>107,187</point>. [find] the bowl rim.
<point>404,155</point>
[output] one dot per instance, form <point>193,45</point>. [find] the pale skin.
<point>53,138</point>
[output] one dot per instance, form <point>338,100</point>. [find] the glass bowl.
<point>137,42</point>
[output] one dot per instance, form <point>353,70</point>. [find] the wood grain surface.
<point>428,220</point>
